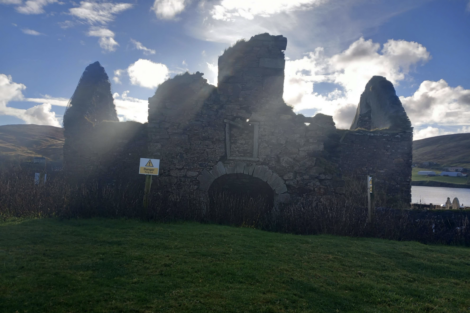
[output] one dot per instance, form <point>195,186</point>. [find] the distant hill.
<point>448,150</point>
<point>22,142</point>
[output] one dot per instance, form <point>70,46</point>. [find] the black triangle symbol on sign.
<point>149,164</point>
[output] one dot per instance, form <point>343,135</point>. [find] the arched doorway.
<point>240,199</point>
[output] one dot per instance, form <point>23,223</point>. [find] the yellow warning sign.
<point>148,171</point>
<point>149,166</point>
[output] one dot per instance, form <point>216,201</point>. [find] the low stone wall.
<point>384,155</point>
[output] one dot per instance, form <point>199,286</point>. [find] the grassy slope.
<point>131,266</point>
<point>443,179</point>
<point>23,141</point>
<point>448,150</point>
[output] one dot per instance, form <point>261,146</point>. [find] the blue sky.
<point>334,48</point>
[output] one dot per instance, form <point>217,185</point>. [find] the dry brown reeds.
<point>344,216</point>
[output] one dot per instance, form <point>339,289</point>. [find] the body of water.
<point>438,195</point>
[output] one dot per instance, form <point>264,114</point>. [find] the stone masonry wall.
<point>110,153</point>
<point>91,104</point>
<point>384,155</point>
<point>201,132</point>
<point>242,126</point>
<point>241,140</point>
<point>119,147</point>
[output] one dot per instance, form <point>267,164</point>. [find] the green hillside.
<point>99,265</point>
<point>448,150</point>
<point>441,181</point>
<point>20,142</point>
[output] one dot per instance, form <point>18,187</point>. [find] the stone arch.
<point>258,194</point>
<point>259,171</point>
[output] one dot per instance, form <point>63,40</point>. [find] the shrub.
<point>344,216</point>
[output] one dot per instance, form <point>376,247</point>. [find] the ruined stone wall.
<point>110,153</point>
<point>241,140</point>
<point>118,148</point>
<point>386,156</point>
<point>380,107</point>
<point>201,133</point>
<point>91,104</point>
<point>251,75</point>
<point>243,126</point>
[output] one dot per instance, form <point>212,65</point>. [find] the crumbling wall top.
<point>251,73</point>
<point>380,108</point>
<point>92,101</point>
<point>180,98</point>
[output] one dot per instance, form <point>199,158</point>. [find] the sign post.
<point>369,193</point>
<point>148,167</point>
<point>39,164</point>
<point>148,186</point>
<point>40,177</point>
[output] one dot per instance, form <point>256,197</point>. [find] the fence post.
<point>369,202</point>
<point>148,185</point>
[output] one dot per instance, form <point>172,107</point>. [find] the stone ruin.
<point>95,141</point>
<point>379,143</point>
<point>240,137</point>
<point>380,108</point>
<point>90,105</point>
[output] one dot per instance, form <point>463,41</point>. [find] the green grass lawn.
<point>130,266</point>
<point>442,179</point>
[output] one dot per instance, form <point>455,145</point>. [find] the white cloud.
<point>431,131</point>
<point>100,32</point>
<point>214,68</point>
<point>248,9</point>
<point>66,24</point>
<point>130,109</point>
<point>34,6</point>
<point>106,40</point>
<point>30,6</point>
<point>140,46</point>
<point>465,129</point>
<point>31,32</point>
<point>438,103</point>
<point>168,9</point>
<point>61,102</point>
<point>428,132</point>
<point>434,109</point>
<point>147,74</point>
<point>331,25</point>
<point>354,67</point>
<point>468,6</point>
<point>17,2</point>
<point>11,91</point>
<point>214,72</point>
<point>108,43</point>
<point>41,115</point>
<point>117,76</point>
<point>99,13</point>
<point>347,73</point>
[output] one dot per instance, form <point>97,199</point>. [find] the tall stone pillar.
<point>91,104</point>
